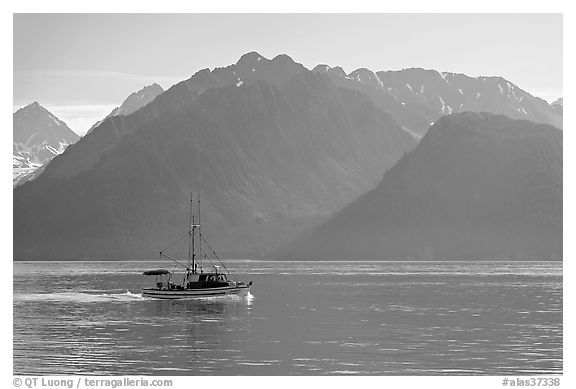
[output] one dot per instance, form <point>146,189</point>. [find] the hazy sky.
<point>80,66</point>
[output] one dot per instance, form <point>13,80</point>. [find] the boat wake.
<point>82,297</point>
<point>79,297</point>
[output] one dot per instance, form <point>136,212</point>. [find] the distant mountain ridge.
<point>418,97</point>
<point>478,186</point>
<point>411,113</point>
<point>133,102</point>
<point>38,136</point>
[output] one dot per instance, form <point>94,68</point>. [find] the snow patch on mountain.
<point>380,83</point>
<point>443,104</point>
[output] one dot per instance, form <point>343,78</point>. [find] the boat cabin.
<point>213,277</point>
<point>191,281</point>
<point>207,280</point>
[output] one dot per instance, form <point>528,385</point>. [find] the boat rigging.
<point>196,283</point>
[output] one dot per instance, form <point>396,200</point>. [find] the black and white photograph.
<point>308,194</point>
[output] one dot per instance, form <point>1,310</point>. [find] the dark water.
<point>301,318</point>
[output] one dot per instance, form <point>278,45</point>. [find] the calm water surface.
<point>301,318</point>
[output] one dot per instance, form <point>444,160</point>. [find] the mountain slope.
<point>133,102</point>
<point>250,68</point>
<point>271,156</point>
<point>38,136</point>
<point>478,186</point>
<point>417,97</point>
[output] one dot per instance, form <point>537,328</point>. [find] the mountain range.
<point>38,136</point>
<point>418,97</point>
<point>274,148</point>
<point>478,185</point>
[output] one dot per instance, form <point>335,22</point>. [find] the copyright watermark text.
<point>89,382</point>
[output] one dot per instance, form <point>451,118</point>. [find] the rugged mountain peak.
<point>38,136</point>
<point>133,102</point>
<point>153,89</point>
<point>137,100</point>
<point>253,67</point>
<point>34,118</point>
<point>32,107</point>
<point>559,102</point>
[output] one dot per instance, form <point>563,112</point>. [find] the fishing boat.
<point>196,282</point>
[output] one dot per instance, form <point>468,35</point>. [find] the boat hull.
<point>166,294</point>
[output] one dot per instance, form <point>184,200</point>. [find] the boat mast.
<point>199,234</point>
<point>191,236</point>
